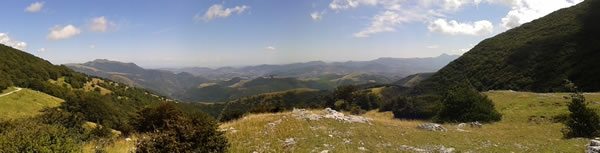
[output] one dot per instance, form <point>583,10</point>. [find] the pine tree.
<point>582,121</point>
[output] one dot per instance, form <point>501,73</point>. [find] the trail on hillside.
<point>8,93</point>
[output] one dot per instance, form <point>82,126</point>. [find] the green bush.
<point>344,98</point>
<point>464,104</point>
<point>171,130</point>
<point>27,135</point>
<point>582,121</point>
<point>418,107</point>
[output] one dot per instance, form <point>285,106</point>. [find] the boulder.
<point>432,127</point>
<point>593,146</point>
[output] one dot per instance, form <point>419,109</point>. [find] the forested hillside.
<point>93,110</point>
<point>537,56</point>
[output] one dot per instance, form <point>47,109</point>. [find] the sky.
<point>213,33</point>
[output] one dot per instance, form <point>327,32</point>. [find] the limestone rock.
<point>594,146</point>
<point>432,127</point>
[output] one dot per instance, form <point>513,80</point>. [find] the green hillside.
<point>114,108</point>
<point>530,124</point>
<point>25,103</point>
<point>228,90</point>
<point>537,56</point>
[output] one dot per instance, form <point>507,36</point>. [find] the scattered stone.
<point>411,148</point>
<point>432,127</point>
<point>446,150</point>
<point>362,148</point>
<point>304,114</point>
<point>274,123</point>
<point>440,149</point>
<point>289,142</point>
<point>594,146</point>
<point>330,114</point>
<point>475,124</point>
<point>325,151</point>
<point>347,141</point>
<point>333,114</point>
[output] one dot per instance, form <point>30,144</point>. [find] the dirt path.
<point>8,93</point>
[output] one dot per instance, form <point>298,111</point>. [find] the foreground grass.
<point>116,145</point>
<point>25,103</point>
<point>526,126</point>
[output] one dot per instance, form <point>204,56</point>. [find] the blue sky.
<point>182,33</point>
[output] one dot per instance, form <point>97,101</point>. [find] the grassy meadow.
<point>25,103</point>
<point>527,126</point>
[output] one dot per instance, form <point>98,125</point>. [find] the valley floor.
<point>527,126</point>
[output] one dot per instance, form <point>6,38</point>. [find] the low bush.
<point>465,104</point>
<point>171,130</point>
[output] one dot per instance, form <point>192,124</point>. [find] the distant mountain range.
<point>392,68</point>
<point>164,82</point>
<point>222,84</point>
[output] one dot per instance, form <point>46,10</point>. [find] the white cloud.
<point>524,11</point>
<point>397,12</point>
<point>65,32</point>
<point>92,46</point>
<point>453,27</point>
<point>270,48</point>
<point>317,16</point>
<point>346,4</point>
<point>35,7</point>
<point>6,40</point>
<point>217,11</point>
<point>42,50</point>
<point>100,24</point>
<point>387,21</point>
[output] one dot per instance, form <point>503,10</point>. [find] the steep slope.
<point>413,80</point>
<point>25,103</point>
<point>537,56</point>
<point>164,82</point>
<point>102,101</point>
<point>392,68</point>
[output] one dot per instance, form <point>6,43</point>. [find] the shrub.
<point>27,135</point>
<point>465,104</point>
<point>171,130</point>
<point>419,107</point>
<point>582,121</point>
<point>344,98</point>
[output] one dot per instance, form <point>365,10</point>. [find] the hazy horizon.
<point>238,66</point>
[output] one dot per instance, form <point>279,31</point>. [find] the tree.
<point>463,103</point>
<point>582,121</point>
